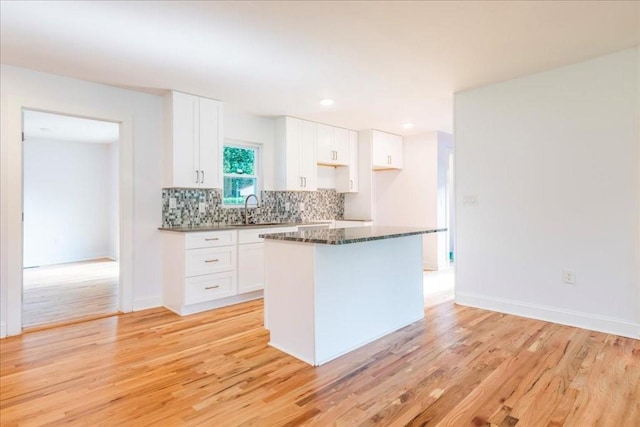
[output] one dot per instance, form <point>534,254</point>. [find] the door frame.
<point>12,200</point>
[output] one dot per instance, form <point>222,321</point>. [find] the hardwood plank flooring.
<point>459,367</point>
<point>69,292</point>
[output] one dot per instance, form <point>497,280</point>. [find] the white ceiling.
<point>57,127</point>
<point>384,63</point>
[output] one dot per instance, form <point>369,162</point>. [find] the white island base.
<point>322,301</point>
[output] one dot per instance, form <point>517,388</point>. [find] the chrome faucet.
<point>246,202</point>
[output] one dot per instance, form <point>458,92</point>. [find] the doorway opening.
<point>70,219</point>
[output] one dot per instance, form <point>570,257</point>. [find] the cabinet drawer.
<point>210,239</point>
<point>209,260</point>
<point>209,287</point>
<point>251,236</point>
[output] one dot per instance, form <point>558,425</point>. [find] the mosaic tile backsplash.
<point>302,206</point>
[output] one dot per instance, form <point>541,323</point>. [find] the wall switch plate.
<point>287,206</point>
<point>569,277</point>
<point>470,200</point>
<point>301,206</point>
<point>202,207</point>
<point>172,203</point>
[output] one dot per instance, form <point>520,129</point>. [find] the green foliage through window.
<point>239,161</point>
<point>240,174</point>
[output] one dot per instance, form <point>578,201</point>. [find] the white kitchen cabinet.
<point>251,257</point>
<point>193,141</point>
<point>295,159</point>
<point>333,145</point>
<point>199,270</point>
<point>341,223</point>
<point>386,150</point>
<point>347,177</point>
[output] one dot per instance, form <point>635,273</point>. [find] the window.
<point>240,169</point>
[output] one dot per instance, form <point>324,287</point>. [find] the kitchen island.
<point>328,292</point>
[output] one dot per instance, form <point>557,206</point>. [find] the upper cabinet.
<point>333,145</point>
<point>295,158</point>
<point>347,178</point>
<point>386,150</point>
<point>193,141</point>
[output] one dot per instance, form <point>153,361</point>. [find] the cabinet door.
<point>293,135</point>
<point>324,143</point>
<point>386,150</point>
<point>184,144</point>
<point>347,177</point>
<point>341,147</point>
<point>209,239</point>
<point>307,162</point>
<point>353,161</point>
<point>199,262</point>
<point>209,143</point>
<point>209,287</point>
<point>395,151</point>
<point>380,155</point>
<point>250,267</point>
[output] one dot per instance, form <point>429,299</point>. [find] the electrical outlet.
<point>287,206</point>
<point>202,207</point>
<point>569,277</point>
<point>301,206</point>
<point>172,203</point>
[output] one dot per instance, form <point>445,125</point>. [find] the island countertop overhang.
<point>343,236</point>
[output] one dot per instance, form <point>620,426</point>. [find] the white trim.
<point>12,189</point>
<point>146,303</point>
<point>3,330</point>
<point>186,310</point>
<point>577,319</point>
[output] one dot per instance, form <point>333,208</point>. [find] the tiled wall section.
<point>318,205</point>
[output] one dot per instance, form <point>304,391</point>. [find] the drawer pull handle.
<point>213,238</point>
<point>212,287</point>
<point>211,260</point>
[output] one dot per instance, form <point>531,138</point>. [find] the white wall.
<point>326,177</point>
<point>66,201</point>
<point>142,120</point>
<point>553,159</point>
<point>240,126</point>
<point>415,195</point>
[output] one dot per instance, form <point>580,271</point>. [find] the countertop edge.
<point>287,237</point>
<point>225,227</point>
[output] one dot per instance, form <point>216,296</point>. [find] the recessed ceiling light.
<point>407,125</point>
<point>326,102</point>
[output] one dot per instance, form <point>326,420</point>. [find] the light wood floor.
<point>459,367</point>
<point>69,292</point>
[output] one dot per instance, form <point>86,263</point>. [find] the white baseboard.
<point>3,330</point>
<point>145,303</point>
<point>588,321</point>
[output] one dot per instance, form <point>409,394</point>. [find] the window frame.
<point>257,164</point>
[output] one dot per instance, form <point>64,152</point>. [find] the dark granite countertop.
<point>222,227</point>
<point>343,236</point>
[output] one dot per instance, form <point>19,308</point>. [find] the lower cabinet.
<point>206,270</point>
<point>342,223</point>
<point>209,287</point>
<point>251,267</point>
<point>251,257</point>
<point>200,270</point>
